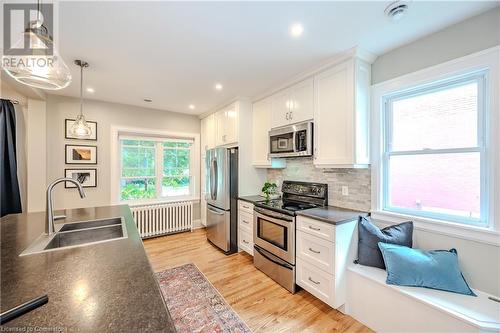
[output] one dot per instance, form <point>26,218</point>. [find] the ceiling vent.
<point>396,10</point>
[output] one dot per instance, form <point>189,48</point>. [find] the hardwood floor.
<point>263,304</point>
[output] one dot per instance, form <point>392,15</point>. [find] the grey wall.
<point>105,114</point>
<point>469,36</point>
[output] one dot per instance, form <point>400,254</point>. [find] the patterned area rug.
<point>194,304</point>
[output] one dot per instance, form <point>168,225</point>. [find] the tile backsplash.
<point>358,181</point>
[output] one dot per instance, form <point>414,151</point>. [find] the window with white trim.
<point>434,156</point>
<point>155,168</point>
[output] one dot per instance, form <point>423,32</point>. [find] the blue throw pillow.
<point>436,269</point>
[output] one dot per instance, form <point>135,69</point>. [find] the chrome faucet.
<point>49,214</point>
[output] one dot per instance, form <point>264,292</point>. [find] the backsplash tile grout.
<point>358,181</point>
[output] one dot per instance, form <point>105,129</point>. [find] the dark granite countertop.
<point>252,198</point>
<point>105,287</point>
<point>332,215</point>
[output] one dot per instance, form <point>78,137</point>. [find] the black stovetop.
<point>298,196</point>
<point>285,206</point>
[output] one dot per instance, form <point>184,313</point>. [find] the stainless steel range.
<point>274,229</point>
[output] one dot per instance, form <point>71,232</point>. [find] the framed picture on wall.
<point>86,177</point>
<point>81,154</point>
<point>67,126</point>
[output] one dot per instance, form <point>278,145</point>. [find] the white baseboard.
<point>197,224</point>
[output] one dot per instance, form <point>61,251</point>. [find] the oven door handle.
<point>271,259</point>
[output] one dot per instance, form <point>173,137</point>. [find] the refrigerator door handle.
<point>215,179</point>
<point>215,211</point>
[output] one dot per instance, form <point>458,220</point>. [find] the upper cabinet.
<point>261,120</point>
<point>226,126</point>
<point>341,115</point>
<point>293,105</point>
<point>207,133</point>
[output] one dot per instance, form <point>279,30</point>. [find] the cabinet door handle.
<point>286,116</point>
<point>291,115</point>
<point>315,229</point>
<point>246,207</point>
<point>314,251</point>
<point>245,241</point>
<point>245,221</point>
<point>315,282</point>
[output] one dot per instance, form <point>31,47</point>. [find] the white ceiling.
<point>174,52</point>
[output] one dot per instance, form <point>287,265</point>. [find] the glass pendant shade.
<point>41,68</point>
<point>80,127</point>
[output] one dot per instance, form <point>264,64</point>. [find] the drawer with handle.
<point>245,206</point>
<point>245,240</point>
<point>316,251</point>
<point>316,228</point>
<point>315,281</point>
<point>245,221</point>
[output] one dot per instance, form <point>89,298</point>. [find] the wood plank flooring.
<point>263,304</point>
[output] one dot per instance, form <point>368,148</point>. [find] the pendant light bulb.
<point>80,127</point>
<point>41,68</point>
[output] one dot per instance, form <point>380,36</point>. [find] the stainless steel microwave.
<point>291,141</point>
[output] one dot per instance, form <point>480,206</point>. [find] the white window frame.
<point>477,77</point>
<point>118,132</point>
<point>487,60</point>
<point>158,176</point>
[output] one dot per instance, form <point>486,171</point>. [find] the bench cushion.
<point>479,311</point>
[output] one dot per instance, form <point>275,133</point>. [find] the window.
<point>155,168</point>
<point>434,156</point>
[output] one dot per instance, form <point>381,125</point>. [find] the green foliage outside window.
<point>138,160</point>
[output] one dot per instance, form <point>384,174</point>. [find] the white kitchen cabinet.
<point>226,126</point>
<point>341,115</point>
<point>207,133</point>
<point>302,105</point>
<point>323,253</point>
<point>261,118</point>
<point>245,226</point>
<point>294,104</point>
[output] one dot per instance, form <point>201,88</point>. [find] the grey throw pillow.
<point>370,235</point>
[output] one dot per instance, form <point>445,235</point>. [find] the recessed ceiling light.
<point>218,86</point>
<point>147,100</point>
<point>191,106</point>
<point>90,90</point>
<point>296,30</point>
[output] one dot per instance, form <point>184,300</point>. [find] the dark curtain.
<point>10,198</point>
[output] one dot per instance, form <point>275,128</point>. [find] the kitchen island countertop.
<point>105,287</point>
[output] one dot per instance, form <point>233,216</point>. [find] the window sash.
<point>159,153</point>
<point>480,78</point>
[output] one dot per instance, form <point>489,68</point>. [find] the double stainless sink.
<point>77,234</point>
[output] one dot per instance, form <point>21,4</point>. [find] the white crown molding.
<point>354,52</point>
<point>223,105</point>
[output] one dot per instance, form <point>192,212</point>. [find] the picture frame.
<point>87,177</point>
<point>80,154</point>
<point>69,136</point>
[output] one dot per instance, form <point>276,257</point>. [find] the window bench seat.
<point>388,308</point>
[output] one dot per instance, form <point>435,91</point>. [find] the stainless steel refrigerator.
<point>221,166</point>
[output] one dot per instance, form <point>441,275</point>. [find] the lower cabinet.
<point>323,253</point>
<point>245,226</point>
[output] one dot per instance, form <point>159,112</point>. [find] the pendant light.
<point>80,128</point>
<point>41,68</point>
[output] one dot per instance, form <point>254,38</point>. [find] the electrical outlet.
<point>345,190</point>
